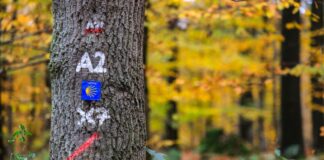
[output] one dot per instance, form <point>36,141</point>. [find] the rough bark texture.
<point>291,120</point>
<point>317,84</point>
<point>123,135</point>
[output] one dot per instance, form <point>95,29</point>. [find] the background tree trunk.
<point>171,131</point>
<point>123,135</point>
<point>246,125</point>
<point>317,84</point>
<point>3,78</point>
<point>3,150</point>
<point>261,103</point>
<point>145,55</point>
<point>291,120</point>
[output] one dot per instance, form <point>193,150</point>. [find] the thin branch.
<point>11,69</point>
<point>32,58</point>
<point>46,49</point>
<point>23,36</point>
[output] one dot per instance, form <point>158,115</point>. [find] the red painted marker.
<point>84,146</point>
<point>93,30</point>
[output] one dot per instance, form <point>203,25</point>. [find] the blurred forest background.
<point>213,71</point>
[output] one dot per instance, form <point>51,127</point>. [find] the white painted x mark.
<point>87,117</point>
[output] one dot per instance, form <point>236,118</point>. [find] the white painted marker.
<point>87,117</point>
<point>86,63</point>
<point>100,68</point>
<point>103,116</point>
<point>94,27</point>
<point>89,25</point>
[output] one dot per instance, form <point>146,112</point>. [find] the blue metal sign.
<point>90,90</point>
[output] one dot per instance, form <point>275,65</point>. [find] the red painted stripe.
<point>93,30</point>
<point>84,146</point>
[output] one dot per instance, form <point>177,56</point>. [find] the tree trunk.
<point>145,54</point>
<point>171,131</point>
<point>317,85</point>
<point>246,125</point>
<point>33,107</point>
<point>291,120</point>
<point>3,78</point>
<point>98,41</point>
<point>3,150</point>
<point>260,129</point>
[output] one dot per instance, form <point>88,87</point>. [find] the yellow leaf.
<point>295,10</point>
<point>322,131</point>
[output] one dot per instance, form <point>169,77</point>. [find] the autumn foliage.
<point>224,56</point>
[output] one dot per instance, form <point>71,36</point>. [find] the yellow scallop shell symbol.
<point>91,91</point>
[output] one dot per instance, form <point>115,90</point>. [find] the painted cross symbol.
<point>102,117</point>
<point>87,117</point>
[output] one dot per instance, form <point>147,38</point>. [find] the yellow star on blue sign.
<point>90,90</point>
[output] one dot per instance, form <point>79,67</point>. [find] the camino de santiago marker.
<point>97,80</point>
<point>90,117</point>
<point>91,90</point>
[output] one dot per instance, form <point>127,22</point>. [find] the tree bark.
<point>291,119</point>
<point>246,125</point>
<point>3,78</point>
<point>260,129</point>
<point>145,55</point>
<point>3,150</point>
<point>171,131</point>
<point>317,85</point>
<point>120,38</point>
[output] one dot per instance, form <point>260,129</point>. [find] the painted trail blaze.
<point>93,30</point>
<point>90,90</point>
<point>84,146</point>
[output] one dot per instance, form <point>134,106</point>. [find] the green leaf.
<point>18,156</point>
<point>292,151</point>
<point>155,155</point>
<point>16,133</point>
<point>277,153</point>
<point>31,155</point>
<point>22,139</point>
<point>11,141</point>
<point>28,133</point>
<point>22,127</point>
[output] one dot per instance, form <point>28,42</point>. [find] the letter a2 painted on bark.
<point>112,114</point>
